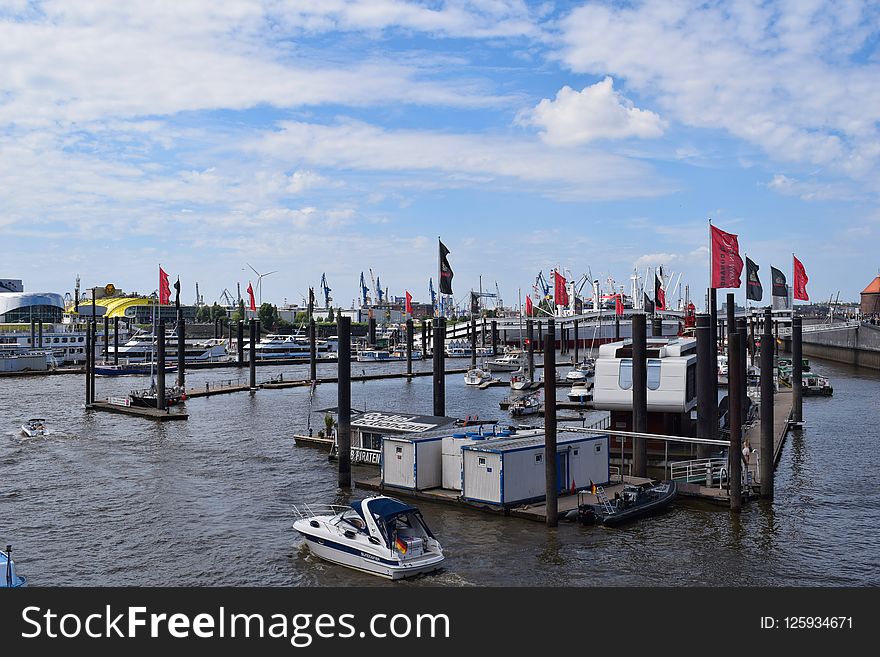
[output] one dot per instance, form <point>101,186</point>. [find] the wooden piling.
<point>439,367</point>
<point>657,326</point>
<point>574,330</point>
<point>530,344</point>
<point>240,344</point>
<point>92,361</point>
<point>116,341</point>
<point>409,346</point>
<point>160,366</point>
<point>371,330</point>
<point>734,415</point>
<point>713,331</point>
<point>473,334</point>
<point>768,389</point>
<point>424,338</point>
<point>343,401</point>
<point>88,351</point>
<point>640,393</point>
<point>106,339</point>
<point>252,380</point>
<point>313,351</point>
<point>550,425</point>
<point>707,397</point>
<point>797,370</point>
<point>181,349</point>
<point>743,365</point>
<point>40,333</point>
<point>494,337</point>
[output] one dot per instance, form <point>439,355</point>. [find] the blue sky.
<point>337,136</point>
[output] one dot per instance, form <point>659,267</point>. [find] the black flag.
<point>177,293</point>
<point>649,305</point>
<point>780,287</point>
<point>754,290</point>
<point>445,271</point>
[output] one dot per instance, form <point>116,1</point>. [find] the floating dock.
<point>139,411</point>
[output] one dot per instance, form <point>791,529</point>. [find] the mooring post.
<point>494,337</point>
<point>116,340</point>
<point>743,366</point>
<point>424,338</point>
<point>33,342</point>
<point>160,366</point>
<point>576,340</point>
<point>253,356</point>
<point>540,336</point>
<point>106,349</point>
<point>439,367</point>
<point>734,415</point>
<point>707,398</point>
<point>657,326</point>
<point>713,331</point>
<point>616,329</point>
<point>87,371</point>
<point>409,346</point>
<point>473,342</point>
<point>640,393</point>
<point>768,389</point>
<point>92,360</point>
<point>40,333</point>
<point>730,324</point>
<point>752,321</point>
<point>775,337</point>
<point>240,343</point>
<point>797,370</point>
<point>483,333</point>
<point>313,351</point>
<point>530,343</point>
<point>343,401</point>
<point>552,487</point>
<point>181,350</point>
<point>371,328</point>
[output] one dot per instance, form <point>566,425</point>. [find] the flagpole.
<point>708,309</point>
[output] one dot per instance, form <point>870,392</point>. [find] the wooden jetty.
<point>313,441</point>
<point>139,411</point>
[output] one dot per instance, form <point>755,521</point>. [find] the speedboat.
<point>582,391</point>
<point>582,370</point>
<point>519,380</point>
<point>476,376</point>
<point>10,578</point>
<point>529,405</point>
<point>634,502</point>
<point>34,427</point>
<point>509,362</point>
<point>378,535</point>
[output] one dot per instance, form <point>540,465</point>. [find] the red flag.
<point>800,281</point>
<point>529,306</point>
<point>408,303</point>
<point>250,292</point>
<point>659,294</point>
<point>164,288</point>
<point>618,305</point>
<point>727,265</point>
<point>561,293</point>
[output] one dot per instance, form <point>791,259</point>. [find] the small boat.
<point>634,502</point>
<point>149,396</point>
<point>34,427</point>
<point>519,380</point>
<point>477,376</point>
<point>378,535</point>
<point>582,370</point>
<point>10,578</point>
<point>813,385</point>
<point>581,391</point>
<point>509,362</point>
<point>529,405</point>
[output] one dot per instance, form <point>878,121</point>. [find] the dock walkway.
<point>139,411</point>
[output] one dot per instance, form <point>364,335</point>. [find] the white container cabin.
<point>412,462</point>
<point>509,471</point>
<point>451,452</point>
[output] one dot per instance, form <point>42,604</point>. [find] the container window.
<point>481,461</point>
<point>625,376</point>
<point>599,447</point>
<point>398,450</point>
<point>539,458</point>
<point>653,373</point>
<point>575,452</point>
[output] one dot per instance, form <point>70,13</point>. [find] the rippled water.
<point>114,500</point>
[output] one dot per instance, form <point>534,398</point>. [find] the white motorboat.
<point>399,353</point>
<point>582,371</point>
<point>378,355</point>
<point>529,405</point>
<point>519,380</point>
<point>378,535</point>
<point>509,362</point>
<point>581,391</point>
<point>10,578</point>
<point>477,376</point>
<point>34,427</point>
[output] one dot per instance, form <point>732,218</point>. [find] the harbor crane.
<point>365,293</point>
<point>327,290</point>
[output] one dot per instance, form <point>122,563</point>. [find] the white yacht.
<point>519,380</point>
<point>377,355</point>
<point>477,376</point>
<point>277,345</point>
<point>379,535</point>
<point>509,362</point>
<point>581,391</point>
<point>583,370</point>
<point>528,405</point>
<point>141,347</point>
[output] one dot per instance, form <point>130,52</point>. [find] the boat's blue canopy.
<point>388,508</point>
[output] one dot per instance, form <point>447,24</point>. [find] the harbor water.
<point>108,499</point>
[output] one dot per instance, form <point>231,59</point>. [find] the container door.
<point>562,471</point>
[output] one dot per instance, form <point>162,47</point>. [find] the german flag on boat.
<point>400,545</point>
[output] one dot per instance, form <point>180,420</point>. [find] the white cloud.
<point>455,160</point>
<point>596,112</point>
<point>787,77</point>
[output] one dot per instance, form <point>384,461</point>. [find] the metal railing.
<point>816,328</point>
<point>306,511</point>
<point>707,471</point>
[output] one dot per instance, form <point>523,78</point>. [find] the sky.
<point>340,136</point>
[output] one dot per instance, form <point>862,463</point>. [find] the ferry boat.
<point>378,535</point>
<point>141,347</point>
<point>11,579</point>
<point>59,346</point>
<point>277,345</point>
